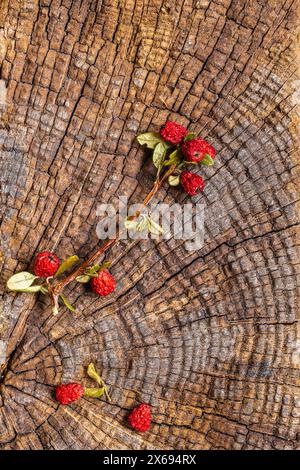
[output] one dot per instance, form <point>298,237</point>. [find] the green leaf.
<point>20,281</point>
<point>207,160</point>
<point>83,279</point>
<point>31,289</point>
<point>44,290</point>
<point>92,272</point>
<point>94,392</point>
<point>150,139</point>
<point>154,228</point>
<point>66,264</point>
<point>174,180</point>
<point>142,224</point>
<point>189,136</point>
<point>174,158</point>
<point>94,269</point>
<point>188,162</point>
<point>159,154</point>
<point>67,303</point>
<point>104,266</point>
<point>130,224</point>
<point>91,372</point>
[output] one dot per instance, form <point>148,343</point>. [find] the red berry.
<point>104,284</point>
<point>140,418</point>
<point>195,150</point>
<point>46,264</point>
<point>173,133</point>
<point>66,394</point>
<point>191,182</point>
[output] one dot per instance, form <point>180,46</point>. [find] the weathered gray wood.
<point>210,339</point>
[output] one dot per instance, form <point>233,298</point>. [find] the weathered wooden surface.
<point>209,338</point>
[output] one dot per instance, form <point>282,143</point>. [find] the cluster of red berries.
<point>139,418</point>
<point>193,150</point>
<point>46,264</point>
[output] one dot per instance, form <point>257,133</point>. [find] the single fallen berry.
<point>103,284</point>
<point>46,264</point>
<point>195,150</point>
<point>140,418</point>
<point>66,394</point>
<point>173,132</point>
<point>191,182</point>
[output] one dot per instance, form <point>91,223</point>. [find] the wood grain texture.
<point>209,338</point>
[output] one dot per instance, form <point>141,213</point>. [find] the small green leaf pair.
<point>142,223</point>
<point>138,224</point>
<point>96,392</point>
<point>92,272</point>
<point>154,228</point>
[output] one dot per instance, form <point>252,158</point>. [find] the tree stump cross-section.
<point>209,338</point>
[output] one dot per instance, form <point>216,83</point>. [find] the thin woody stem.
<point>57,288</point>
